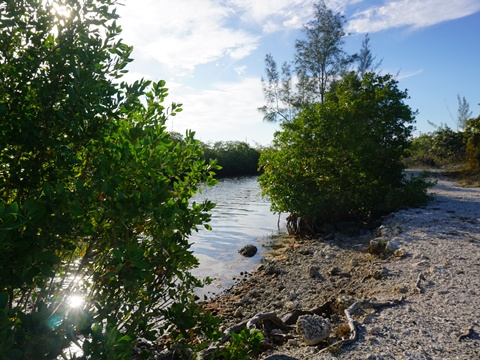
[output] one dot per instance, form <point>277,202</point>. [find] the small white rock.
<point>392,245</point>
<point>313,328</point>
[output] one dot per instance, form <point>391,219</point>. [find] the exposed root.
<point>273,317</point>
<point>250,324</point>
<point>468,332</point>
<point>351,324</point>
<point>234,328</point>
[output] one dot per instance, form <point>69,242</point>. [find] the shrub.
<point>420,152</point>
<point>442,147</point>
<point>448,146</point>
<point>94,195</point>
<point>341,159</point>
<point>472,140</point>
<point>243,346</point>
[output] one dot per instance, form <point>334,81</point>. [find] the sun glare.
<point>61,10</point>
<point>76,301</point>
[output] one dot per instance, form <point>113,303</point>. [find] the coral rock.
<point>313,328</point>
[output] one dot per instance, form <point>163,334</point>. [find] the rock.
<point>354,262</point>
<point>248,250</point>
<point>283,357</point>
<point>422,263</point>
<point>377,245</point>
<point>238,313</point>
<point>276,332</point>
<point>306,251</point>
<point>313,273</point>
<point>292,342</point>
<point>272,270</point>
<point>383,231</point>
<point>293,305</point>
<point>334,271</point>
<point>392,245</point>
<point>379,273</point>
<point>313,328</point>
<point>400,253</point>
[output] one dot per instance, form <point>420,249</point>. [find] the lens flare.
<point>76,301</point>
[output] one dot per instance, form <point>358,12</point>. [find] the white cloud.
<point>411,13</point>
<point>240,70</point>
<point>405,75</point>
<point>183,34</point>
<point>276,15</point>
<point>279,15</point>
<point>226,110</point>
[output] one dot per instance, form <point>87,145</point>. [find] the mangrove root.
<point>351,324</point>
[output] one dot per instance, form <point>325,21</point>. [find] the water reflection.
<point>241,217</point>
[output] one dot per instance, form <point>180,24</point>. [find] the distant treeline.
<point>237,158</point>
<point>445,146</point>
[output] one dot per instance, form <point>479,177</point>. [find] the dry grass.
<point>466,178</point>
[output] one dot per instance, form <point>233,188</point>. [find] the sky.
<point>211,54</point>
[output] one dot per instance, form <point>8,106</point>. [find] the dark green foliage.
<point>448,146</point>
<point>94,192</point>
<point>236,158</point>
<point>243,346</point>
<point>442,147</point>
<point>341,159</point>
<point>420,152</point>
<point>472,140</point>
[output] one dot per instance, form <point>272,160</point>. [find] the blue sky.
<point>211,53</point>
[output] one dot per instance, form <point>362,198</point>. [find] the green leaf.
<point>12,208</point>
<point>79,185</point>
<point>117,254</point>
<point>125,338</point>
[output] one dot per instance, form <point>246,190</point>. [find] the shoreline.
<point>435,272</point>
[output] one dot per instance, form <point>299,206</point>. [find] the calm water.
<point>241,217</point>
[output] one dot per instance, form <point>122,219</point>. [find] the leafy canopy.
<point>94,192</point>
<point>341,159</point>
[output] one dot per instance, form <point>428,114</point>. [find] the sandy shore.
<point>431,276</point>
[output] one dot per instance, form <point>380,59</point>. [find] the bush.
<point>448,146</point>
<point>442,147</point>
<point>420,152</point>
<point>472,140</point>
<point>95,194</point>
<point>341,159</point>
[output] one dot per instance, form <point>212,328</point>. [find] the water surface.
<point>241,217</point>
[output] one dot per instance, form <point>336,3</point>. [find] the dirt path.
<point>435,272</point>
